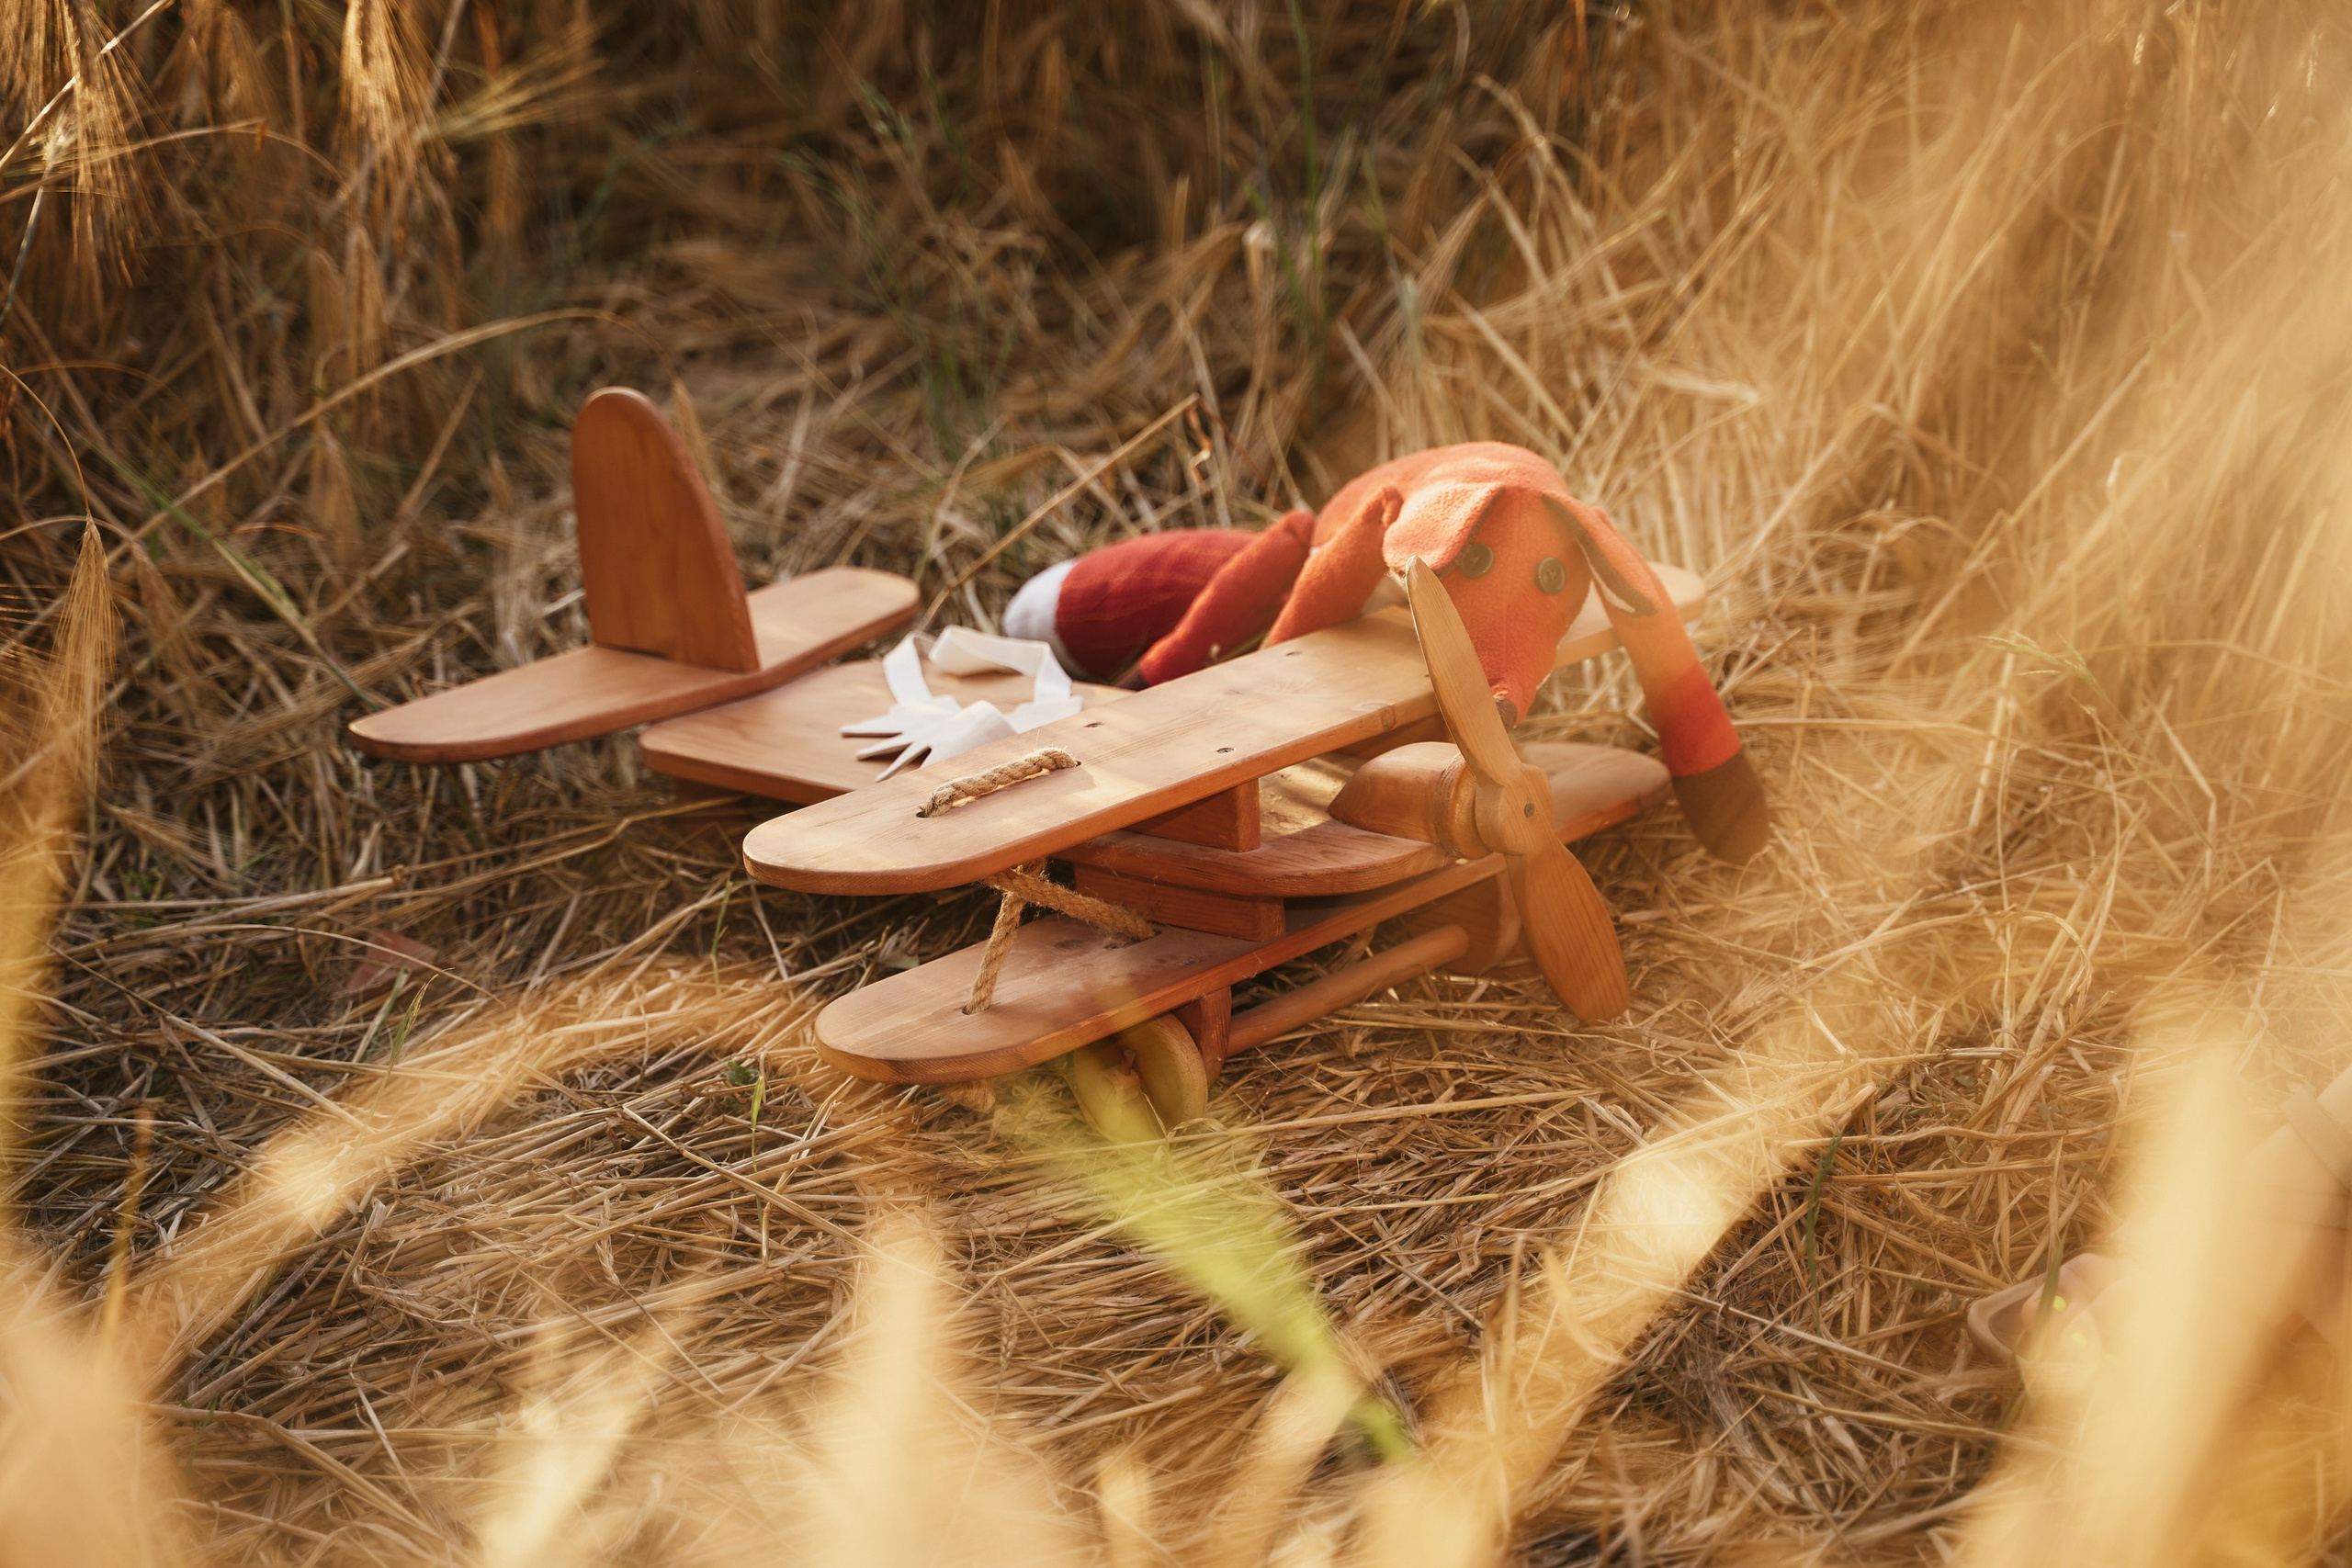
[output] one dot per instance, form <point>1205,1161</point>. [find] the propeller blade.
<point>1464,695</point>
<point>1568,929</point>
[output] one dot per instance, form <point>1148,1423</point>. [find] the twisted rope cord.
<point>971,786</point>
<point>1008,921</point>
<point>1025,885</point>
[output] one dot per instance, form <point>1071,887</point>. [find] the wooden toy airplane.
<point>672,628</point>
<point>1218,825</point>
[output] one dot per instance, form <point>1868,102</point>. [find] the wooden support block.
<point>1226,821</point>
<point>1190,909</point>
<point>1209,1019</point>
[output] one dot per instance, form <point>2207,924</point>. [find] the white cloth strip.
<point>924,728</point>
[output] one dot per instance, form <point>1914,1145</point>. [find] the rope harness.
<point>1025,885</point>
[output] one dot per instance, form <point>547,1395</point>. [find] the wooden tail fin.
<point>656,569</point>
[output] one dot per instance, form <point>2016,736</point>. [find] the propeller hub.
<point>1514,814</point>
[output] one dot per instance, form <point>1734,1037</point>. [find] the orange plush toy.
<point>1517,552</point>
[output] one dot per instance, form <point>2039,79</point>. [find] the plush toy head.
<point>1493,522</point>
<point>1511,567</point>
<point>1519,556</point>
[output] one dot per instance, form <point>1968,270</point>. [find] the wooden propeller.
<point>1568,925</point>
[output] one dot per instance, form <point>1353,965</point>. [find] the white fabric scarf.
<point>924,728</point>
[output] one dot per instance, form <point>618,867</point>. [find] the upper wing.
<point>1158,749</point>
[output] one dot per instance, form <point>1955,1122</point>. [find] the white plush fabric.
<point>1031,614</point>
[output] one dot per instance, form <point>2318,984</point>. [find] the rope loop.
<point>972,787</point>
<point>1025,885</point>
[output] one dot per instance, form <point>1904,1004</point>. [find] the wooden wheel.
<point>1138,1084</point>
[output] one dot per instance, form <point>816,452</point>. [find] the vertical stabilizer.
<point>655,567</point>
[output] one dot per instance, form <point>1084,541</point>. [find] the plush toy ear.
<point>1342,572</point>
<point>1436,524</point>
<point>1721,797</point>
<point>1624,576</point>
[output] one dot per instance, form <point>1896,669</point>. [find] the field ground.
<point>1988,360</point>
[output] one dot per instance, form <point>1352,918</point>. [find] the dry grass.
<point>1990,361</point>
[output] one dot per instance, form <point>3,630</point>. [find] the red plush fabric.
<point>1119,600</point>
<point>1238,604</point>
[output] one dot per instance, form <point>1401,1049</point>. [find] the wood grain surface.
<point>1226,821</point>
<point>1419,954</point>
<point>788,744</point>
<point>1597,786</point>
<point>1420,791</point>
<point>1485,915</point>
<point>1327,858</point>
<point>1310,854</point>
<point>657,572</point>
<point>1227,914</point>
<point>797,626</point>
